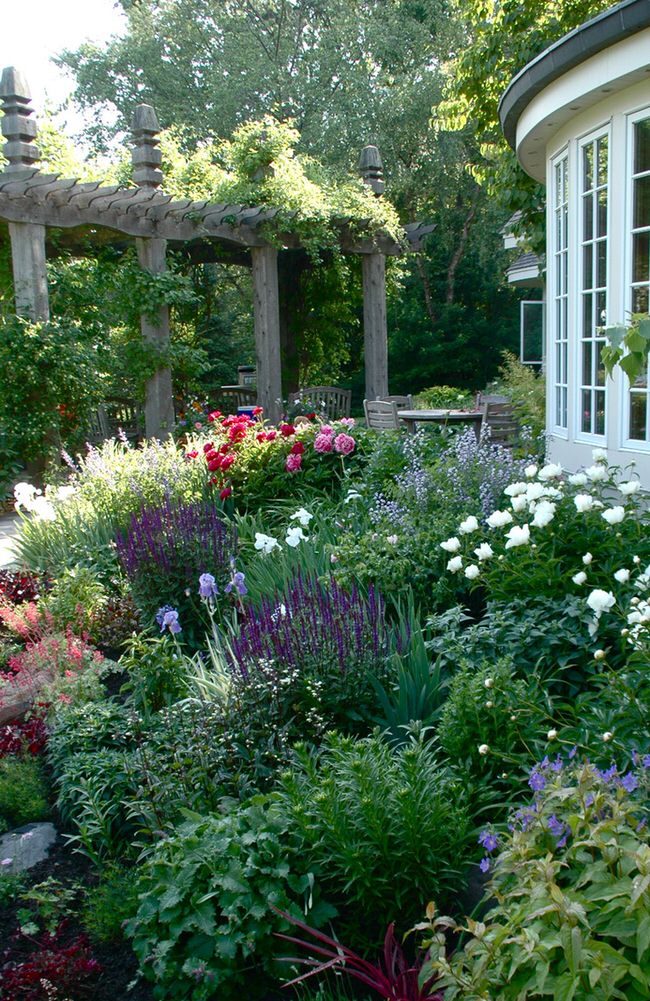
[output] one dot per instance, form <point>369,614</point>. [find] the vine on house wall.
<point>628,347</point>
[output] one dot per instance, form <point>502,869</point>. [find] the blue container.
<point>246,411</point>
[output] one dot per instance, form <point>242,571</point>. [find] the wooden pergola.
<point>32,202</point>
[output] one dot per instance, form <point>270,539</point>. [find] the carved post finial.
<point>371,169</point>
<point>145,156</point>
<point>18,128</point>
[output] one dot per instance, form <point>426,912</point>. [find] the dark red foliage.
<point>65,965</point>
<point>23,735</point>
<point>393,977</point>
<point>17,587</point>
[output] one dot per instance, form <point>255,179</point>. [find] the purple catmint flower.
<point>208,586</point>
<point>488,840</point>
<point>629,782</point>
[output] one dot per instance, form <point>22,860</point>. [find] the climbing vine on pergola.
<point>32,202</point>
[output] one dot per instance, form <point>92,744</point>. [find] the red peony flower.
<point>215,463</point>
<point>191,455</point>
<point>286,430</point>
<point>261,436</point>
<point>297,448</point>
<point>257,410</point>
<point>227,461</point>
<point>212,417</point>
<point>208,446</point>
<point>271,435</point>
<point>225,493</point>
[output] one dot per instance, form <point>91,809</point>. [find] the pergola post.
<point>267,330</point>
<point>146,158</point>
<point>28,257</point>
<point>375,328</point>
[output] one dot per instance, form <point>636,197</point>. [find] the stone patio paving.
<point>8,526</point>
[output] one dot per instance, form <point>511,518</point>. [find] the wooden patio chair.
<point>98,429</point>
<point>402,402</point>
<point>126,416</point>
<point>327,401</point>
<point>381,416</point>
<point>229,398</point>
<point>499,415</point>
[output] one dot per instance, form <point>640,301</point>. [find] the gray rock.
<point>24,847</point>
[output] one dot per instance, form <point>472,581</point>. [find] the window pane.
<point>640,299</point>
<point>586,363</point>
<point>641,257</point>
<point>600,411</point>
<point>602,161</point>
<point>601,309</point>
<point>585,424</point>
<point>601,278</point>
<point>637,416</point>
<point>588,168</point>
<point>642,202</point>
<point>602,212</point>
<point>642,146</point>
<point>600,367</point>
<point>588,225</point>
<point>587,265</point>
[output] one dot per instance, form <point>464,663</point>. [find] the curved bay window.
<point>561,289</point>
<point>592,315</point>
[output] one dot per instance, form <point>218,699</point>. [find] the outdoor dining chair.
<point>380,415</point>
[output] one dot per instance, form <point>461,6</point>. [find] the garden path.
<point>8,528</point>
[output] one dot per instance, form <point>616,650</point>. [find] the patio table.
<point>446,417</point>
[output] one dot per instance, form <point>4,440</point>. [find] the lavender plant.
<point>309,657</point>
<point>166,549</point>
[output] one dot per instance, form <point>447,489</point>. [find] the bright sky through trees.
<point>31,35</point>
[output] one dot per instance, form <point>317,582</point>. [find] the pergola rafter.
<point>32,202</point>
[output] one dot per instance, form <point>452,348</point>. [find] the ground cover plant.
<point>334,684</point>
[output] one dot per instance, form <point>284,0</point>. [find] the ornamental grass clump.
<point>166,549</point>
<point>571,880</point>
<point>312,654</point>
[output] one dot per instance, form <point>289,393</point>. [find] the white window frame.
<point>577,247</point>
<point>635,444</point>
<point>532,362</point>
<point>561,430</point>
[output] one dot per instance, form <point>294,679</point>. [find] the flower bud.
<point>551,735</point>
<point>607,736</point>
<point>489,682</point>
<point>483,749</point>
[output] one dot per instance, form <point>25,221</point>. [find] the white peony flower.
<point>455,564</point>
<point>534,491</point>
<point>583,503</point>
<point>622,576</point>
<point>579,578</point>
<point>484,551</point>
<point>499,518</point>
<point>518,503</point>
<point>295,536</point>
<point>472,571</point>
<point>515,489</point>
<point>614,515</point>
<point>600,601</point>
<point>468,526</point>
<point>392,539</point>
<point>596,473</point>
<point>451,545</point>
<point>587,558</point>
<point>266,543</point>
<point>551,471</point>
<point>599,455</point>
<point>599,655</point>
<point>530,471</point>
<point>544,514</point>
<point>519,535</point>
<point>25,494</point>
<point>42,509</point>
<point>578,479</point>
<point>303,516</point>
<point>629,487</point>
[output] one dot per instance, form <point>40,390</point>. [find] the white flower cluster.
<point>28,498</point>
<point>294,535</point>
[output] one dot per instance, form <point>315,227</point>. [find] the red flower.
<point>286,430</point>
<point>191,455</point>
<point>297,448</point>
<point>225,493</point>
<point>311,417</point>
<point>271,435</point>
<point>257,410</point>
<point>261,436</point>
<point>214,415</point>
<point>208,446</point>
<point>214,481</point>
<point>293,463</point>
<point>227,461</point>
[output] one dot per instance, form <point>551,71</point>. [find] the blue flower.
<point>236,583</point>
<point>170,621</point>
<point>573,752</point>
<point>484,864</point>
<point>488,840</point>
<point>537,782</point>
<point>207,586</point>
<point>646,761</point>
<point>629,782</point>
<point>161,613</point>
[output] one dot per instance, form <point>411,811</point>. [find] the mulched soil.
<point>119,966</point>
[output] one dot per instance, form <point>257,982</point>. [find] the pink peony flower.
<point>344,444</point>
<point>293,463</point>
<point>348,421</point>
<point>323,443</point>
<point>326,429</point>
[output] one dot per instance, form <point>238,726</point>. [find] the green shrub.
<point>156,673</point>
<point>110,904</point>
<point>205,926</point>
<point>386,828</point>
<point>444,398</point>
<point>23,792</point>
<point>526,388</point>
<point>75,599</point>
<point>572,885</point>
<point>490,719</point>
